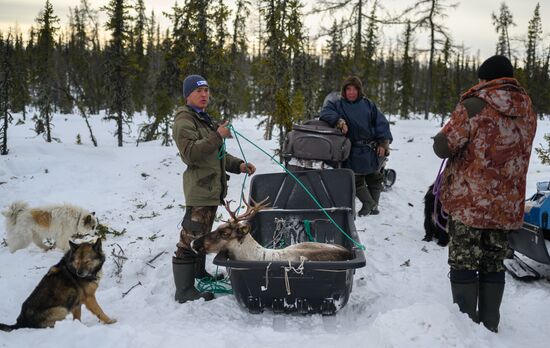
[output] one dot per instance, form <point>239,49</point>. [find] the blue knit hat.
<point>193,82</point>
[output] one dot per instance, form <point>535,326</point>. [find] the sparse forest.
<point>257,57</point>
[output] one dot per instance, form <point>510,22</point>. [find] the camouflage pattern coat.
<point>483,185</point>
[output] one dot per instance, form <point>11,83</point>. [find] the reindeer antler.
<point>250,210</point>
<point>232,216</point>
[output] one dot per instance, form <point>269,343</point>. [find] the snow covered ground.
<point>139,189</point>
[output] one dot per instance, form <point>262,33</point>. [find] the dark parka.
<point>365,124</point>
<point>204,180</point>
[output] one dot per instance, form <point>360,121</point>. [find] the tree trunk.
<point>4,133</point>
<point>268,128</point>
<point>428,100</point>
<point>119,128</point>
<point>358,38</point>
<point>48,125</point>
<point>85,117</point>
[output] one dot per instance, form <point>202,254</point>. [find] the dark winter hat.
<point>191,83</point>
<point>354,81</point>
<point>495,67</point>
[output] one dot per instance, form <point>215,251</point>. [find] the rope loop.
<point>208,284</point>
<point>436,191</point>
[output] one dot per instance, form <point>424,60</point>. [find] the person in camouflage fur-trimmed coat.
<point>488,142</point>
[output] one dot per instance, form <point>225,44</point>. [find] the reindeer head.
<point>233,230</point>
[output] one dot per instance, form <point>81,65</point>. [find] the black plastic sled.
<point>300,287</point>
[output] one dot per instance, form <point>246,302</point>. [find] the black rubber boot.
<point>464,287</point>
<point>184,278</point>
<point>368,203</point>
<point>375,186</point>
<point>200,270</point>
<point>375,194</point>
<point>491,289</point>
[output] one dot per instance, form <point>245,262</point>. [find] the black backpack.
<point>317,140</point>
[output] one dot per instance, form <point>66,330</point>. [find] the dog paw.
<point>111,321</point>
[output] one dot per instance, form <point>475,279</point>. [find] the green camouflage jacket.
<point>205,179</point>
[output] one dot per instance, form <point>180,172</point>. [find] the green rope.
<point>221,151</point>
<point>307,227</point>
<point>360,246</point>
<point>245,176</point>
<point>221,154</point>
<point>208,284</point>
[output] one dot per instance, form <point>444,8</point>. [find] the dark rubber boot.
<point>368,203</point>
<point>375,194</point>
<point>184,278</point>
<point>464,287</point>
<point>491,289</point>
<point>375,186</point>
<point>200,270</point>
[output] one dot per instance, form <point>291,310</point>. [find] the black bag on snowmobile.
<point>316,140</point>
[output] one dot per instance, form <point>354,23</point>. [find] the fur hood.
<point>505,95</point>
<point>354,81</point>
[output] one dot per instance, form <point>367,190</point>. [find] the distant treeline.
<point>269,67</point>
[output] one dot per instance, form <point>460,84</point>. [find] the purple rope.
<point>436,190</point>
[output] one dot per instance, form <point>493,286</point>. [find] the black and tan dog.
<point>431,228</point>
<point>64,289</point>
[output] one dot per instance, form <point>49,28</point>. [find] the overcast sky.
<point>470,23</point>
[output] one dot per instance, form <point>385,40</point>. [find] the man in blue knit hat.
<point>199,140</point>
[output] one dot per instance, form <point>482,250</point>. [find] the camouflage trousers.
<point>476,249</point>
<point>197,221</point>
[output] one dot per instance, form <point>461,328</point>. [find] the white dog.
<point>58,222</point>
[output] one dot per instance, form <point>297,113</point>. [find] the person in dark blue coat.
<point>369,132</point>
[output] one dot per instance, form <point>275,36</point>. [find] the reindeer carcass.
<point>304,286</point>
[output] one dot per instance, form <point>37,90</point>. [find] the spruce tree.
<point>370,72</point>
<point>430,15</point>
<point>534,35</point>
<point>93,84</point>
<point>334,67</point>
<point>355,21</point>
<point>239,100</point>
<point>117,80</point>
<point>406,91</point>
<point>161,103</point>
<point>6,89</point>
<point>390,92</point>
<point>137,57</point>
<point>219,62</point>
<point>45,68</point>
<point>79,66</point>
<point>534,72</point>
<point>445,95</point>
<point>502,22</point>
<point>20,97</point>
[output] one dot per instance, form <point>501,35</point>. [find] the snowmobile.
<point>533,238</point>
<point>316,145</point>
